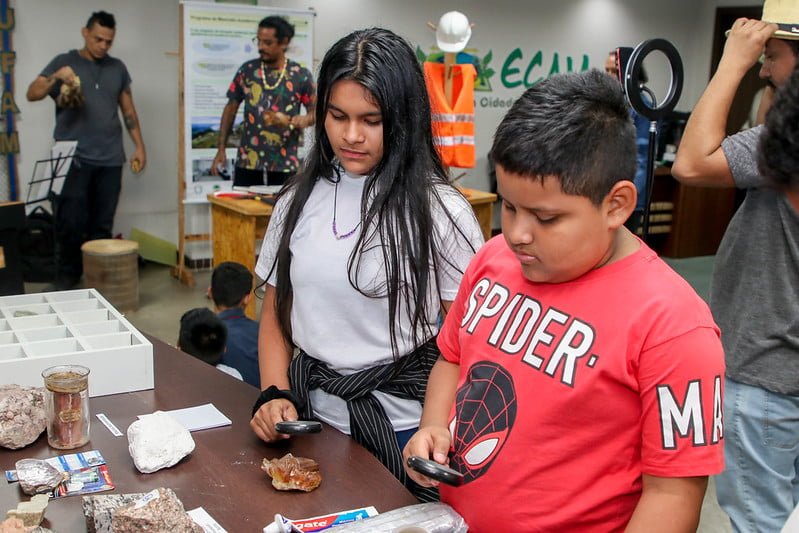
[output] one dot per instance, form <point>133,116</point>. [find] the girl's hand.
<point>270,413</point>
<point>430,442</point>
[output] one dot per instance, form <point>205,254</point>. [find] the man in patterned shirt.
<point>273,88</point>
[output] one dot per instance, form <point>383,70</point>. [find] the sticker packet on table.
<point>86,472</point>
<point>85,481</point>
<point>77,461</point>
<point>65,463</point>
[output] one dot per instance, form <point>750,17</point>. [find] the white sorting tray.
<point>72,327</point>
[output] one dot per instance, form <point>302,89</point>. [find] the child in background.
<point>202,334</point>
<point>363,253</point>
<point>231,291</point>
<point>584,373</point>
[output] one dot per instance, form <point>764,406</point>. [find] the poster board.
<point>215,40</point>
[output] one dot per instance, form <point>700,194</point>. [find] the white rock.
<point>158,441</point>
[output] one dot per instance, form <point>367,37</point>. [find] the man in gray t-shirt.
<point>89,88</point>
<point>755,286</point>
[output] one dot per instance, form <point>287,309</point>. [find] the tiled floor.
<point>162,301</point>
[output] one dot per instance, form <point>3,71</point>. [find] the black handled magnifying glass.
<point>436,471</point>
<point>298,427</point>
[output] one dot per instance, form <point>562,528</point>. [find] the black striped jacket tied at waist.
<point>405,378</point>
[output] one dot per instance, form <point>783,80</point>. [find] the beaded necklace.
<point>279,78</point>
<point>335,230</point>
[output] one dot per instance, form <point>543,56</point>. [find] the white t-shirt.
<point>332,321</point>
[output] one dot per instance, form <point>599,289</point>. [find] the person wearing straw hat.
<point>754,307</point>
<point>779,145</point>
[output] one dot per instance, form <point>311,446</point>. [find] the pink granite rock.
<point>158,510</point>
<point>22,416</point>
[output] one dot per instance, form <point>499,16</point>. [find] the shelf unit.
<point>687,221</point>
<point>76,327</point>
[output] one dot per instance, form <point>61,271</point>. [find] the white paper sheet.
<point>205,521</point>
<point>200,417</point>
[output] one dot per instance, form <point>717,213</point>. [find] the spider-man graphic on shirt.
<point>486,405</point>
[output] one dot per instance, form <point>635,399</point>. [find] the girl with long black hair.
<point>364,252</point>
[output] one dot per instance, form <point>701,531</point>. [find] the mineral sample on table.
<point>158,510</point>
<point>22,415</point>
<point>99,509</point>
<point>31,512</point>
<point>157,441</point>
<point>37,476</point>
<point>293,473</point>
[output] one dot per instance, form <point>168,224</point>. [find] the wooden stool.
<point>112,267</point>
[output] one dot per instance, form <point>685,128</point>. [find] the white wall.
<point>147,34</point>
<point>147,40</point>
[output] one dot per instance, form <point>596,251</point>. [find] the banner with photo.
<point>217,39</point>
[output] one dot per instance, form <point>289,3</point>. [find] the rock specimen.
<point>31,513</point>
<point>158,441</point>
<point>37,476</point>
<point>158,510</point>
<point>99,509</point>
<point>22,415</point>
<point>293,473</point>
<point>70,94</point>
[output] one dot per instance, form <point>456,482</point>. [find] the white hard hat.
<point>453,31</point>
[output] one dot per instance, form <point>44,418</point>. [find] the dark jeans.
<point>85,212</point>
<point>244,177</point>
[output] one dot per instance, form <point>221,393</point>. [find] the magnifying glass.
<point>298,427</point>
<point>436,471</point>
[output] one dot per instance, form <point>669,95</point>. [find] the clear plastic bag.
<point>422,518</point>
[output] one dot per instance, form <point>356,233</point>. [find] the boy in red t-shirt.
<point>586,376</point>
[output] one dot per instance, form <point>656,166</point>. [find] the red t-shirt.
<point>568,392</point>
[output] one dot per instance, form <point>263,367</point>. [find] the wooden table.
<point>223,473</point>
<point>237,224</point>
<point>483,205</point>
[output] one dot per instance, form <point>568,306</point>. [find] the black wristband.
<point>273,393</point>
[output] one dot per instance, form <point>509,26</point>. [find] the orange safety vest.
<point>453,124</point>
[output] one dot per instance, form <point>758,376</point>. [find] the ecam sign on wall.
<point>518,69</point>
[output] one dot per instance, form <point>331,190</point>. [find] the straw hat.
<point>785,14</point>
